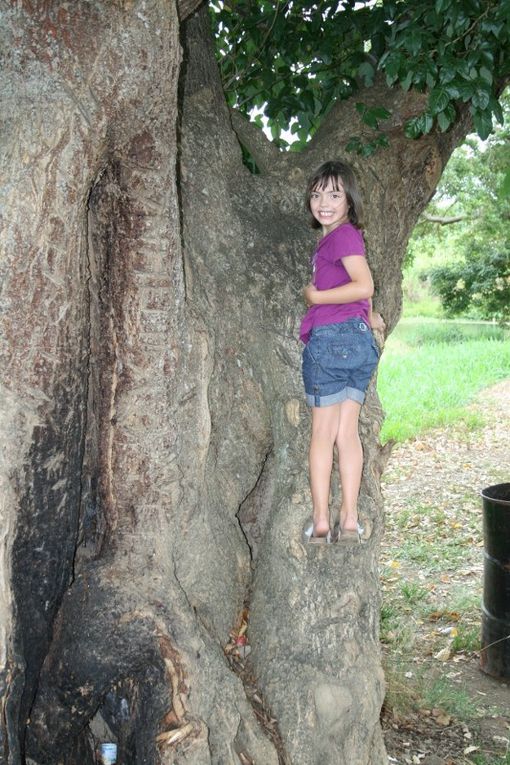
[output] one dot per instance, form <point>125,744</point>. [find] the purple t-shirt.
<point>329,272</point>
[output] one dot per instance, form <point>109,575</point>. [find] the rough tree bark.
<point>154,465</point>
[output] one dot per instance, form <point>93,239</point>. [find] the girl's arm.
<point>361,286</point>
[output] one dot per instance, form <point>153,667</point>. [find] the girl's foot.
<point>318,533</point>
<point>348,522</point>
<point>349,529</point>
<point>320,529</point>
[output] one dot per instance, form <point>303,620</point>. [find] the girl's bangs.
<point>320,183</point>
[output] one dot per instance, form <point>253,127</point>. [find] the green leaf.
<point>438,100</point>
<point>497,110</point>
<point>483,124</point>
<point>481,99</point>
<point>370,119</point>
<point>354,145</point>
<point>392,67</point>
<point>486,74</point>
<point>380,112</point>
<point>442,5</point>
<point>430,80</point>
<point>466,90</point>
<point>368,149</point>
<point>411,128</point>
<point>372,116</point>
<point>425,122</point>
<point>443,121</point>
<point>367,72</point>
<point>406,83</point>
<point>413,42</point>
<point>448,72</point>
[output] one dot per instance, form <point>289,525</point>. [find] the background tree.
<point>460,245</point>
<point>154,471</point>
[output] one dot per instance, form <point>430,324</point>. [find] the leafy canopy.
<point>292,60</point>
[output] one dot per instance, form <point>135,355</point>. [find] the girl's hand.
<point>377,321</point>
<point>310,294</point>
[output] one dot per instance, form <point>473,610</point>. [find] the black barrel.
<point>495,652</point>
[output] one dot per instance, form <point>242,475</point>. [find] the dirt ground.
<point>433,554</point>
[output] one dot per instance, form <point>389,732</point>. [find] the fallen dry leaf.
<point>441,717</point>
<point>444,654</point>
<point>452,616</point>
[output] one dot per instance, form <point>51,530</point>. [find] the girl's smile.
<point>329,206</point>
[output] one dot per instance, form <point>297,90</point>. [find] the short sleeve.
<point>341,242</point>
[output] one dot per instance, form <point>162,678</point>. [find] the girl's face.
<point>330,206</point>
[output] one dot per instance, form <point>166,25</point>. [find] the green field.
<point>431,369</point>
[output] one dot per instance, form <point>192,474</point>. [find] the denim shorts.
<point>338,362</point>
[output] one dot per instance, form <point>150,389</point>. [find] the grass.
<point>422,380</point>
<point>413,593</point>
<point>444,694</point>
<point>467,640</point>
<point>481,759</point>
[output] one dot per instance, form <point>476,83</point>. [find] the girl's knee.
<point>347,435</point>
<point>325,432</point>
<point>325,422</point>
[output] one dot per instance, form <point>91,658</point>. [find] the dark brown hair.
<point>336,171</point>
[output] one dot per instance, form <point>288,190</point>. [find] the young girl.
<point>340,353</point>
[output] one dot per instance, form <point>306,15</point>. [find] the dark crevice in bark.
<point>92,521</point>
<point>252,516</point>
<point>253,510</point>
<point>243,669</point>
<point>249,160</point>
<point>180,182</point>
<point>85,518</point>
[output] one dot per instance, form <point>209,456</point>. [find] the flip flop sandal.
<point>309,537</point>
<point>348,536</point>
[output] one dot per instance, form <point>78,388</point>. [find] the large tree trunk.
<point>154,476</point>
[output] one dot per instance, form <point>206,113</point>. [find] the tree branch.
<point>263,151</point>
<point>187,7</point>
<point>443,221</point>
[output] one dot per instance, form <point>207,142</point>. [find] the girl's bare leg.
<point>350,461</point>
<point>325,425</point>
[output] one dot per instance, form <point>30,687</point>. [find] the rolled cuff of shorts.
<point>336,398</point>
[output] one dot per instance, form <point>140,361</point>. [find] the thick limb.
<point>350,462</point>
<point>325,425</point>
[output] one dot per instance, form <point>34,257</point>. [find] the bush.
<point>480,285</point>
